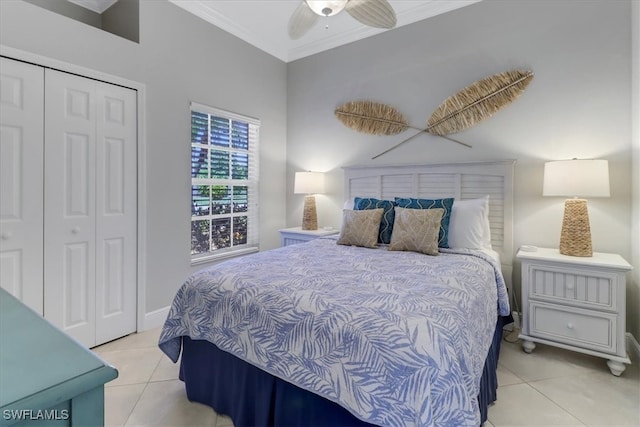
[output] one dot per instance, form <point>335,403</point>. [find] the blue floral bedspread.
<point>397,338</point>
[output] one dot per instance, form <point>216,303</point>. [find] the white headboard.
<point>459,180</point>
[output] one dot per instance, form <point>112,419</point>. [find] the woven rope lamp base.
<point>575,239</point>
<point>309,214</point>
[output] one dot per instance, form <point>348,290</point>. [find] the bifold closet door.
<point>90,207</point>
<point>116,208</point>
<point>21,162</point>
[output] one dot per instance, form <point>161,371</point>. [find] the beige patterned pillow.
<point>360,228</point>
<point>416,230</point>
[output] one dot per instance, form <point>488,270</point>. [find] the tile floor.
<point>549,387</point>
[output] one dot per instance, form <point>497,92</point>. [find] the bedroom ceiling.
<point>263,23</point>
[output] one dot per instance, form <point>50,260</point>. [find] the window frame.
<point>251,182</point>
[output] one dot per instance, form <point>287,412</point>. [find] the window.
<point>224,183</point>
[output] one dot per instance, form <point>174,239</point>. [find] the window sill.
<point>220,257</point>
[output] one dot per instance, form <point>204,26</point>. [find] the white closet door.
<point>70,204</point>
<point>116,212</point>
<point>21,178</point>
<point>90,205</point>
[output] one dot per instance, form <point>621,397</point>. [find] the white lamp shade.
<point>326,7</point>
<point>309,183</point>
<point>576,178</point>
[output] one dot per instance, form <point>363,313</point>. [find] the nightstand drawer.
<point>579,287</point>
<point>582,328</point>
<point>286,241</point>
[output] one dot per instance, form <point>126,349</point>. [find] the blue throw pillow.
<point>446,204</point>
<point>388,215</point>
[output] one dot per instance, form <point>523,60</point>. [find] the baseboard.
<point>633,347</point>
<point>155,319</point>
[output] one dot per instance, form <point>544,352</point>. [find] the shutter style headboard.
<point>439,180</point>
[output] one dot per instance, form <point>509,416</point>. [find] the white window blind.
<point>224,183</point>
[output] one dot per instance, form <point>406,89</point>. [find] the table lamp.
<point>576,178</point>
<point>309,183</point>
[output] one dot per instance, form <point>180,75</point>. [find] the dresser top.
<point>36,356</point>
<point>599,259</point>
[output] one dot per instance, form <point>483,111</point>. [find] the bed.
<point>331,334</point>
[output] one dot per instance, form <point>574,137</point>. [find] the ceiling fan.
<point>374,13</point>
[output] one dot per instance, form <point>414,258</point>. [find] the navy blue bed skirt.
<point>252,397</point>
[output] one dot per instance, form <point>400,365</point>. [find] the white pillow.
<point>469,224</point>
<point>348,205</point>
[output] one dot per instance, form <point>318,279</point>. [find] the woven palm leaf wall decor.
<point>470,106</point>
<point>371,117</point>
<point>375,118</point>
<point>478,102</point>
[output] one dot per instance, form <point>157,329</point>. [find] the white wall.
<point>634,290</point>
<point>179,58</point>
<point>578,105</point>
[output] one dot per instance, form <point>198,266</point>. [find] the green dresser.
<point>46,378</point>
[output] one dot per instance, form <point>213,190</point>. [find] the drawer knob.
<point>570,325</point>
<point>6,235</point>
<point>570,286</point>
<point>75,230</point>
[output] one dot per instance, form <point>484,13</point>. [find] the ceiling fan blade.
<point>301,21</point>
<point>374,13</point>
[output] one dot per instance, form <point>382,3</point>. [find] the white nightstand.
<point>576,303</point>
<point>291,236</point>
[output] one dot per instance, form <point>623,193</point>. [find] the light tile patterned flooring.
<point>549,387</point>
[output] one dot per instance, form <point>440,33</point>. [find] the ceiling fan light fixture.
<point>326,7</point>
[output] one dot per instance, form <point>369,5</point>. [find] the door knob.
<point>6,235</point>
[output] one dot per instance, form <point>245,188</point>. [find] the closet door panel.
<point>21,180</point>
<point>70,200</point>
<point>116,233</point>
